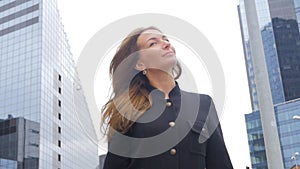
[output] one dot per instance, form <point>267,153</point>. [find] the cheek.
<point>150,56</point>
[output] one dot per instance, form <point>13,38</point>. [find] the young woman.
<point>148,104</point>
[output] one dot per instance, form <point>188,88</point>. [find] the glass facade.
<point>289,130</point>
<point>270,53</point>
<point>7,164</point>
<point>247,55</point>
<point>278,24</point>
<point>287,39</point>
<point>256,141</point>
<point>297,10</point>
<point>39,83</point>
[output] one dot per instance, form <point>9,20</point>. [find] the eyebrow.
<point>154,38</point>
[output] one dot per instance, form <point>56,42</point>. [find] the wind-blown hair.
<point>129,98</point>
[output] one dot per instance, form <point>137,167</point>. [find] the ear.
<point>140,66</point>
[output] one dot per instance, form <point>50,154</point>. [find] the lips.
<point>170,53</point>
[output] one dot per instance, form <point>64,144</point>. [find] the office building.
<point>271,41</point>
<point>39,85</point>
<point>19,143</point>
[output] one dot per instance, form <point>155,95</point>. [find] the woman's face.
<point>155,51</point>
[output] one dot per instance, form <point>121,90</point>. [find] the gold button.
<point>168,104</point>
<point>172,124</point>
<point>173,151</point>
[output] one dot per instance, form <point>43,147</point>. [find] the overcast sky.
<point>217,20</point>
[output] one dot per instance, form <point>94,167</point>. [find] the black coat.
<point>187,134</point>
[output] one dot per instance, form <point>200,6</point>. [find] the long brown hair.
<point>130,98</point>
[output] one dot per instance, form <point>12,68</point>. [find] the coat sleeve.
<point>217,156</point>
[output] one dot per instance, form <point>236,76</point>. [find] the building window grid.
<point>18,20</point>
<point>19,6</point>
<point>12,45</point>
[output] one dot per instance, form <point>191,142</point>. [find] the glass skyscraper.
<point>44,119</point>
<point>271,41</point>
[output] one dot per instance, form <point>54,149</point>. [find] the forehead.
<point>147,35</point>
<point>151,32</point>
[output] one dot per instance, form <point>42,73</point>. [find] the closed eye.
<point>152,44</point>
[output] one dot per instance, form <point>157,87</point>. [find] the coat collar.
<point>175,92</point>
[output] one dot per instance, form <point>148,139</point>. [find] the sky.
<point>217,20</point>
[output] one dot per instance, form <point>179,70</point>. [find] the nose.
<point>166,44</point>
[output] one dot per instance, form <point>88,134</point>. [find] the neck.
<point>161,80</point>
